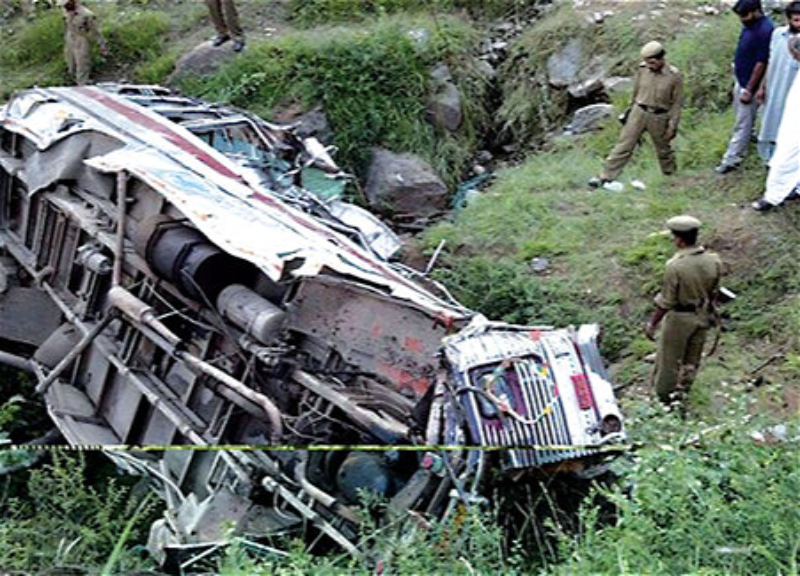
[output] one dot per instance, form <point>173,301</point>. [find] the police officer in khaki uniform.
<point>80,25</point>
<point>686,303</point>
<point>226,21</point>
<point>655,108</point>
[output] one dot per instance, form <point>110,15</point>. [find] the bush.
<point>136,36</point>
<point>315,12</point>
<point>40,42</point>
<point>155,71</point>
<point>65,520</point>
<point>713,508</point>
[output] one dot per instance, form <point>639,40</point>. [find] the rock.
<point>311,124</point>
<point>314,124</point>
<point>484,156</point>
<point>440,74</point>
<point>479,170</point>
<point>589,118</point>
<point>586,88</point>
<point>540,265</point>
<point>404,186</point>
<point>500,46</point>
<point>444,108</point>
<point>487,70</point>
<point>617,85</point>
<point>564,65</point>
<point>203,60</point>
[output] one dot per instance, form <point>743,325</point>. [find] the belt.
<point>688,308</point>
<point>652,109</point>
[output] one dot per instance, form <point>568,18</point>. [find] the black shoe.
<point>794,194</point>
<point>725,168</point>
<point>596,182</point>
<point>219,39</point>
<point>761,205</point>
<point>238,45</point>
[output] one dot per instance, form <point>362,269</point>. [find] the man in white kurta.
<point>784,167</point>
<point>781,71</point>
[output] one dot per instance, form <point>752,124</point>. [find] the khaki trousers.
<point>225,18</point>
<point>638,122</point>
<point>680,350</point>
<point>78,54</point>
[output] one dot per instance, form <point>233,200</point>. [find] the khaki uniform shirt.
<point>690,280</point>
<point>660,90</point>
<point>80,24</point>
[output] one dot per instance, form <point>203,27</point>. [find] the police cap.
<point>683,223</point>
<point>652,50</point>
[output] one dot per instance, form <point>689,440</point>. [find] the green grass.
<point>33,54</point>
<point>315,12</point>
<point>719,507</point>
<point>136,36</point>
<point>72,516</point>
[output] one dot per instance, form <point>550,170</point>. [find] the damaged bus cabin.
<point>176,273</point>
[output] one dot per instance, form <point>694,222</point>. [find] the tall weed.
<point>315,12</point>
<point>66,520</point>
<point>715,507</point>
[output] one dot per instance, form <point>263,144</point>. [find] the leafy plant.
<point>714,507</point>
<point>66,520</point>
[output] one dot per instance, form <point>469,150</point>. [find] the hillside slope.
<point>707,493</point>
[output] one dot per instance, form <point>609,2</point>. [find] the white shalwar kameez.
<point>784,166</point>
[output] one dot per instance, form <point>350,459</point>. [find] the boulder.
<point>314,124</point>
<point>586,88</point>
<point>440,74</point>
<point>589,118</point>
<point>203,60</point>
<point>564,65</point>
<point>404,186</point>
<point>617,85</point>
<point>444,108</point>
<point>486,70</point>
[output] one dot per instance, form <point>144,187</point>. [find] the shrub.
<point>40,42</point>
<point>315,12</point>
<point>136,36</point>
<point>155,71</point>
<point>66,519</point>
<point>711,508</point>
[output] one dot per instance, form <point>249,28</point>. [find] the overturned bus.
<point>180,274</point>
